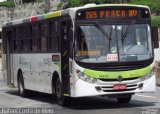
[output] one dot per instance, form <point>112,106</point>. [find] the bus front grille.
<point>110,80</point>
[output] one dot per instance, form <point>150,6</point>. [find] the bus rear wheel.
<point>21,90</point>
<point>61,99</point>
<point>124,100</point>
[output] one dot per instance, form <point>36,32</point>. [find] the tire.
<point>124,100</point>
<point>21,89</point>
<point>61,99</point>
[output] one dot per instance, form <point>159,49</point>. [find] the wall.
<point>27,10</point>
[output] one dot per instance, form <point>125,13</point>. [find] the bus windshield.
<point>97,43</point>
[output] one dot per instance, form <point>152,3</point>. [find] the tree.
<point>93,1</point>
<point>154,6</point>
<point>75,3</point>
<point>101,1</point>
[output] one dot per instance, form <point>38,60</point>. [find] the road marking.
<point>145,96</point>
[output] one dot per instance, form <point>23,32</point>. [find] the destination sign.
<point>104,13</point>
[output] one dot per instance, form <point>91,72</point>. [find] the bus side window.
<point>64,30</point>
<point>50,33</point>
<point>26,39</point>
<point>21,38</point>
<point>43,36</point>
<point>54,36</point>
<point>15,41</point>
<point>30,38</point>
<point>17,35</point>
<point>57,36</point>
<point>34,38</point>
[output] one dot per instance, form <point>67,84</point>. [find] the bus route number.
<point>91,15</point>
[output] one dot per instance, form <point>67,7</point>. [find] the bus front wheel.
<point>61,99</point>
<point>123,100</point>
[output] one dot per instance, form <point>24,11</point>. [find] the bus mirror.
<point>155,36</point>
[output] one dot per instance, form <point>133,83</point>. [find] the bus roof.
<point>70,11</point>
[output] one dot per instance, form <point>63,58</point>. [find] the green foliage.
<point>153,4</point>
<point>101,1</point>
<point>8,3</point>
<point>92,1</point>
<point>75,3</point>
<point>156,20</point>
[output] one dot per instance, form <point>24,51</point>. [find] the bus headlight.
<point>85,78</point>
<point>147,76</point>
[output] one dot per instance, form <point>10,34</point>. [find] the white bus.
<point>93,50</point>
<point>0,48</point>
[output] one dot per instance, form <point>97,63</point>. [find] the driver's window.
<point>130,38</point>
<point>141,34</point>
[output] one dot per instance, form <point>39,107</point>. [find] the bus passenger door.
<point>65,46</point>
<point>9,58</point>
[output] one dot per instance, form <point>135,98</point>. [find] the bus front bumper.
<point>84,89</point>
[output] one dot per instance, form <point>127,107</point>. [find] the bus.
<point>0,45</point>
<point>92,50</point>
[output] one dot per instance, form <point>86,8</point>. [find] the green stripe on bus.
<point>115,74</point>
<point>53,14</point>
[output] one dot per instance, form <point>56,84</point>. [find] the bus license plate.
<point>119,87</point>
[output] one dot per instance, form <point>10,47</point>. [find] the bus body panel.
<point>44,68</point>
<point>16,67</point>
<point>4,69</point>
<point>26,62</point>
<point>37,70</point>
<point>83,89</point>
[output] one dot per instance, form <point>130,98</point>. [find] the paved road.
<point>94,105</point>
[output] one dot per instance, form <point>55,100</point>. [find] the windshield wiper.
<point>126,33</point>
<point>105,33</point>
<point>127,30</point>
<point>102,30</point>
